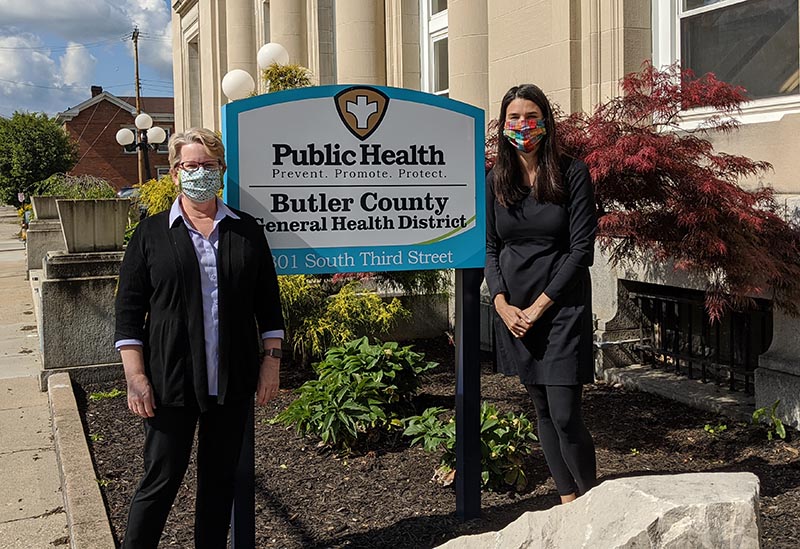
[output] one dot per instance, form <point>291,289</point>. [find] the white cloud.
<point>30,79</point>
<point>77,64</point>
<point>74,20</point>
<point>155,46</point>
<point>63,75</point>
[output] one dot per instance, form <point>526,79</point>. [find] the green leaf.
<point>780,429</point>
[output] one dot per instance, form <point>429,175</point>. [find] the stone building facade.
<point>576,50</point>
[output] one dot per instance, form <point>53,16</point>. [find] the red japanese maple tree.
<point>665,195</point>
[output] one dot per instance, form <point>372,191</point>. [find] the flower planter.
<point>44,207</point>
<point>93,225</point>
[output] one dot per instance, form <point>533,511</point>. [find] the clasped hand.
<point>515,319</point>
<point>518,321</point>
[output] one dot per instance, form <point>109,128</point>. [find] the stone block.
<point>44,207</point>
<point>778,374</point>
<point>94,225</point>
<point>77,265</point>
<point>772,385</point>
<point>43,235</point>
<point>428,318</point>
<point>77,316</point>
<point>710,510</point>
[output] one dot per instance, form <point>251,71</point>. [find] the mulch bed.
<point>309,498</point>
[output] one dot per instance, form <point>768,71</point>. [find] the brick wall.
<point>95,129</point>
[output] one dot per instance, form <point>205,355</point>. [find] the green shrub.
<point>361,392</point>
<point>505,441</point>
<point>75,187</point>
<point>286,77</point>
<point>321,312</point>
<point>157,195</point>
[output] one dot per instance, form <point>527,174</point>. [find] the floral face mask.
<point>524,134</point>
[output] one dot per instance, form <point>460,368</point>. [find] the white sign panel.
<point>353,179</point>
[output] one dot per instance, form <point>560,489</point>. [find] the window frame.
<point>666,18</point>
<point>433,29</point>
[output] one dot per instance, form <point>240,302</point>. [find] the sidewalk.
<point>32,512</point>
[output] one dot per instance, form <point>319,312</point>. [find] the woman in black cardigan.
<point>541,227</point>
<point>199,328</point>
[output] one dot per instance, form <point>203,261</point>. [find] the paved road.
<point>31,505</point>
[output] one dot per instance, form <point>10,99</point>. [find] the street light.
<point>238,83</point>
<point>149,137</point>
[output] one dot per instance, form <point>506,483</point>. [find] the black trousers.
<point>566,442</point>
<point>169,437</point>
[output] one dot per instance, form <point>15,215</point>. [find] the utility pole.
<point>139,152</point>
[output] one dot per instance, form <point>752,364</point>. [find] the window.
<point>161,171</point>
<point>435,66</point>
<point>265,32</point>
<point>194,93</point>
<point>751,43</point>
<point>326,28</point>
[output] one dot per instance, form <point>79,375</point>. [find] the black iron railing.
<point>676,334</point>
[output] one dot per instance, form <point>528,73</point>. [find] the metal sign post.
<point>243,516</point>
<point>468,393</point>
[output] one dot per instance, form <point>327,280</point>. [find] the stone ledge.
<point>705,396</point>
<point>84,374</point>
<point>87,520</point>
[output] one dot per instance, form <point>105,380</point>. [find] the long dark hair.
<point>509,184</point>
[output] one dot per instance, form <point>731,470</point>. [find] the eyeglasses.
<point>194,166</point>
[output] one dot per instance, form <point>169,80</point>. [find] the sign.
<point>359,178</point>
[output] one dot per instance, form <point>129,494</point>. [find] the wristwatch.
<point>275,352</point>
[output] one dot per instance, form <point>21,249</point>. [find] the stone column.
<point>468,39</point>
<point>360,42</point>
<point>778,374</point>
<point>287,28</point>
<point>241,34</point>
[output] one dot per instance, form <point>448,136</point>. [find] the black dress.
<point>535,247</point>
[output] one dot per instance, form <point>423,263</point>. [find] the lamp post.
<point>238,83</point>
<point>149,136</point>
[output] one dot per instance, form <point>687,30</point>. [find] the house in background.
<point>577,51</point>
<point>94,124</point>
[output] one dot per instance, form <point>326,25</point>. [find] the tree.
<point>664,194</point>
<point>32,148</point>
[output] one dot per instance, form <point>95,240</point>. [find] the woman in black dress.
<point>541,224</point>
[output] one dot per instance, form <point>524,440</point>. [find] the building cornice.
<point>69,114</point>
<point>181,7</point>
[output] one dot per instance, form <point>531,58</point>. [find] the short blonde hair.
<point>207,138</point>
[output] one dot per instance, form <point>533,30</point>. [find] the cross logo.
<point>361,109</point>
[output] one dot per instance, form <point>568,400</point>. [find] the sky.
<point>53,51</point>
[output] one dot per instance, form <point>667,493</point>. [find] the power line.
<point>88,45</point>
<point>64,87</point>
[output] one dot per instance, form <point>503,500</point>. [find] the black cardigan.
<point>159,302</point>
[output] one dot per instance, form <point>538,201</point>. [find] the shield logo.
<point>361,109</point>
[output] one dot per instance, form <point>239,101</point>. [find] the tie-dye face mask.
<point>524,134</point>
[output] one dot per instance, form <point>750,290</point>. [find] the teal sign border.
<point>468,248</point>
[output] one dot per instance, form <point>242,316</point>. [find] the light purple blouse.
<point>206,251</point>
